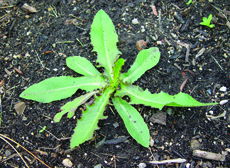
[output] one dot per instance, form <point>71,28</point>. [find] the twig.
<point>54,11</point>
<point>3,137</point>
<point>59,139</point>
<point>217,63</point>
<point>187,53</point>
<point>210,155</point>
<point>7,7</point>
<point>0,109</point>
<point>183,84</point>
<point>221,11</point>
<point>15,150</point>
<point>80,42</point>
<point>40,60</point>
<point>179,160</point>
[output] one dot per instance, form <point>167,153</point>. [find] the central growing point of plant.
<point>110,84</point>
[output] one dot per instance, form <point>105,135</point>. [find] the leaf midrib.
<point>140,67</point>
<point>61,89</point>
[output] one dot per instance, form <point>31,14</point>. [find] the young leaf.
<point>116,72</point>
<point>104,39</point>
<point>207,21</point>
<point>82,66</point>
<point>57,88</point>
<point>71,107</point>
<point>137,96</point>
<point>145,60</point>
<point>134,122</point>
<point>88,122</point>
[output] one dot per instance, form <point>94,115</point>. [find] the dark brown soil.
<point>32,45</point>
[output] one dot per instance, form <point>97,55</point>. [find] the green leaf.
<point>82,66</point>
<point>146,59</point>
<point>116,72</point>
<point>134,122</point>
<point>209,18</point>
<point>88,122</point>
<point>137,96</point>
<point>57,88</point>
<point>104,39</point>
<point>188,3</point>
<point>43,129</point>
<point>207,21</point>
<point>211,25</point>
<point>71,107</point>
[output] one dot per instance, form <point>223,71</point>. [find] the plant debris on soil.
<point>38,36</point>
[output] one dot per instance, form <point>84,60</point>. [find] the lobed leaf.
<point>57,88</point>
<point>146,59</point>
<point>104,39</point>
<point>134,122</point>
<point>71,107</point>
<point>137,96</point>
<point>88,122</point>
<point>82,66</point>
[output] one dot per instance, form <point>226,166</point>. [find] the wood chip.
<point>28,8</point>
<point>7,71</point>
<point>210,155</point>
<point>200,52</point>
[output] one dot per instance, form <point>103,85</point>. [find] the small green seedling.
<point>207,21</point>
<point>112,84</point>
<point>43,129</point>
<point>188,3</point>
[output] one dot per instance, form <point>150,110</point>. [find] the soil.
<point>34,47</point>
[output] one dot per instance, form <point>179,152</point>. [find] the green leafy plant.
<point>43,129</point>
<point>188,3</point>
<point>207,21</point>
<point>103,86</point>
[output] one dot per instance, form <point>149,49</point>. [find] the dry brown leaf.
<point>20,107</point>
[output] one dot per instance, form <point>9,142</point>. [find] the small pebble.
<point>142,165</point>
<point>80,165</point>
<point>98,166</point>
<point>222,102</point>
<point>7,153</point>
<point>67,163</point>
<point>142,29</point>
<point>116,124</point>
<point>223,89</point>
<point>159,42</point>
<point>211,112</point>
<point>135,21</point>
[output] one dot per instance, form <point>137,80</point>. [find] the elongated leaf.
<point>146,59</point>
<point>82,66</point>
<point>134,122</point>
<point>116,72</point>
<point>71,107</point>
<point>104,39</point>
<point>57,88</point>
<point>137,96</point>
<point>88,122</point>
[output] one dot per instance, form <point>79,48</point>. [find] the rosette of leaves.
<point>207,21</point>
<point>112,84</point>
